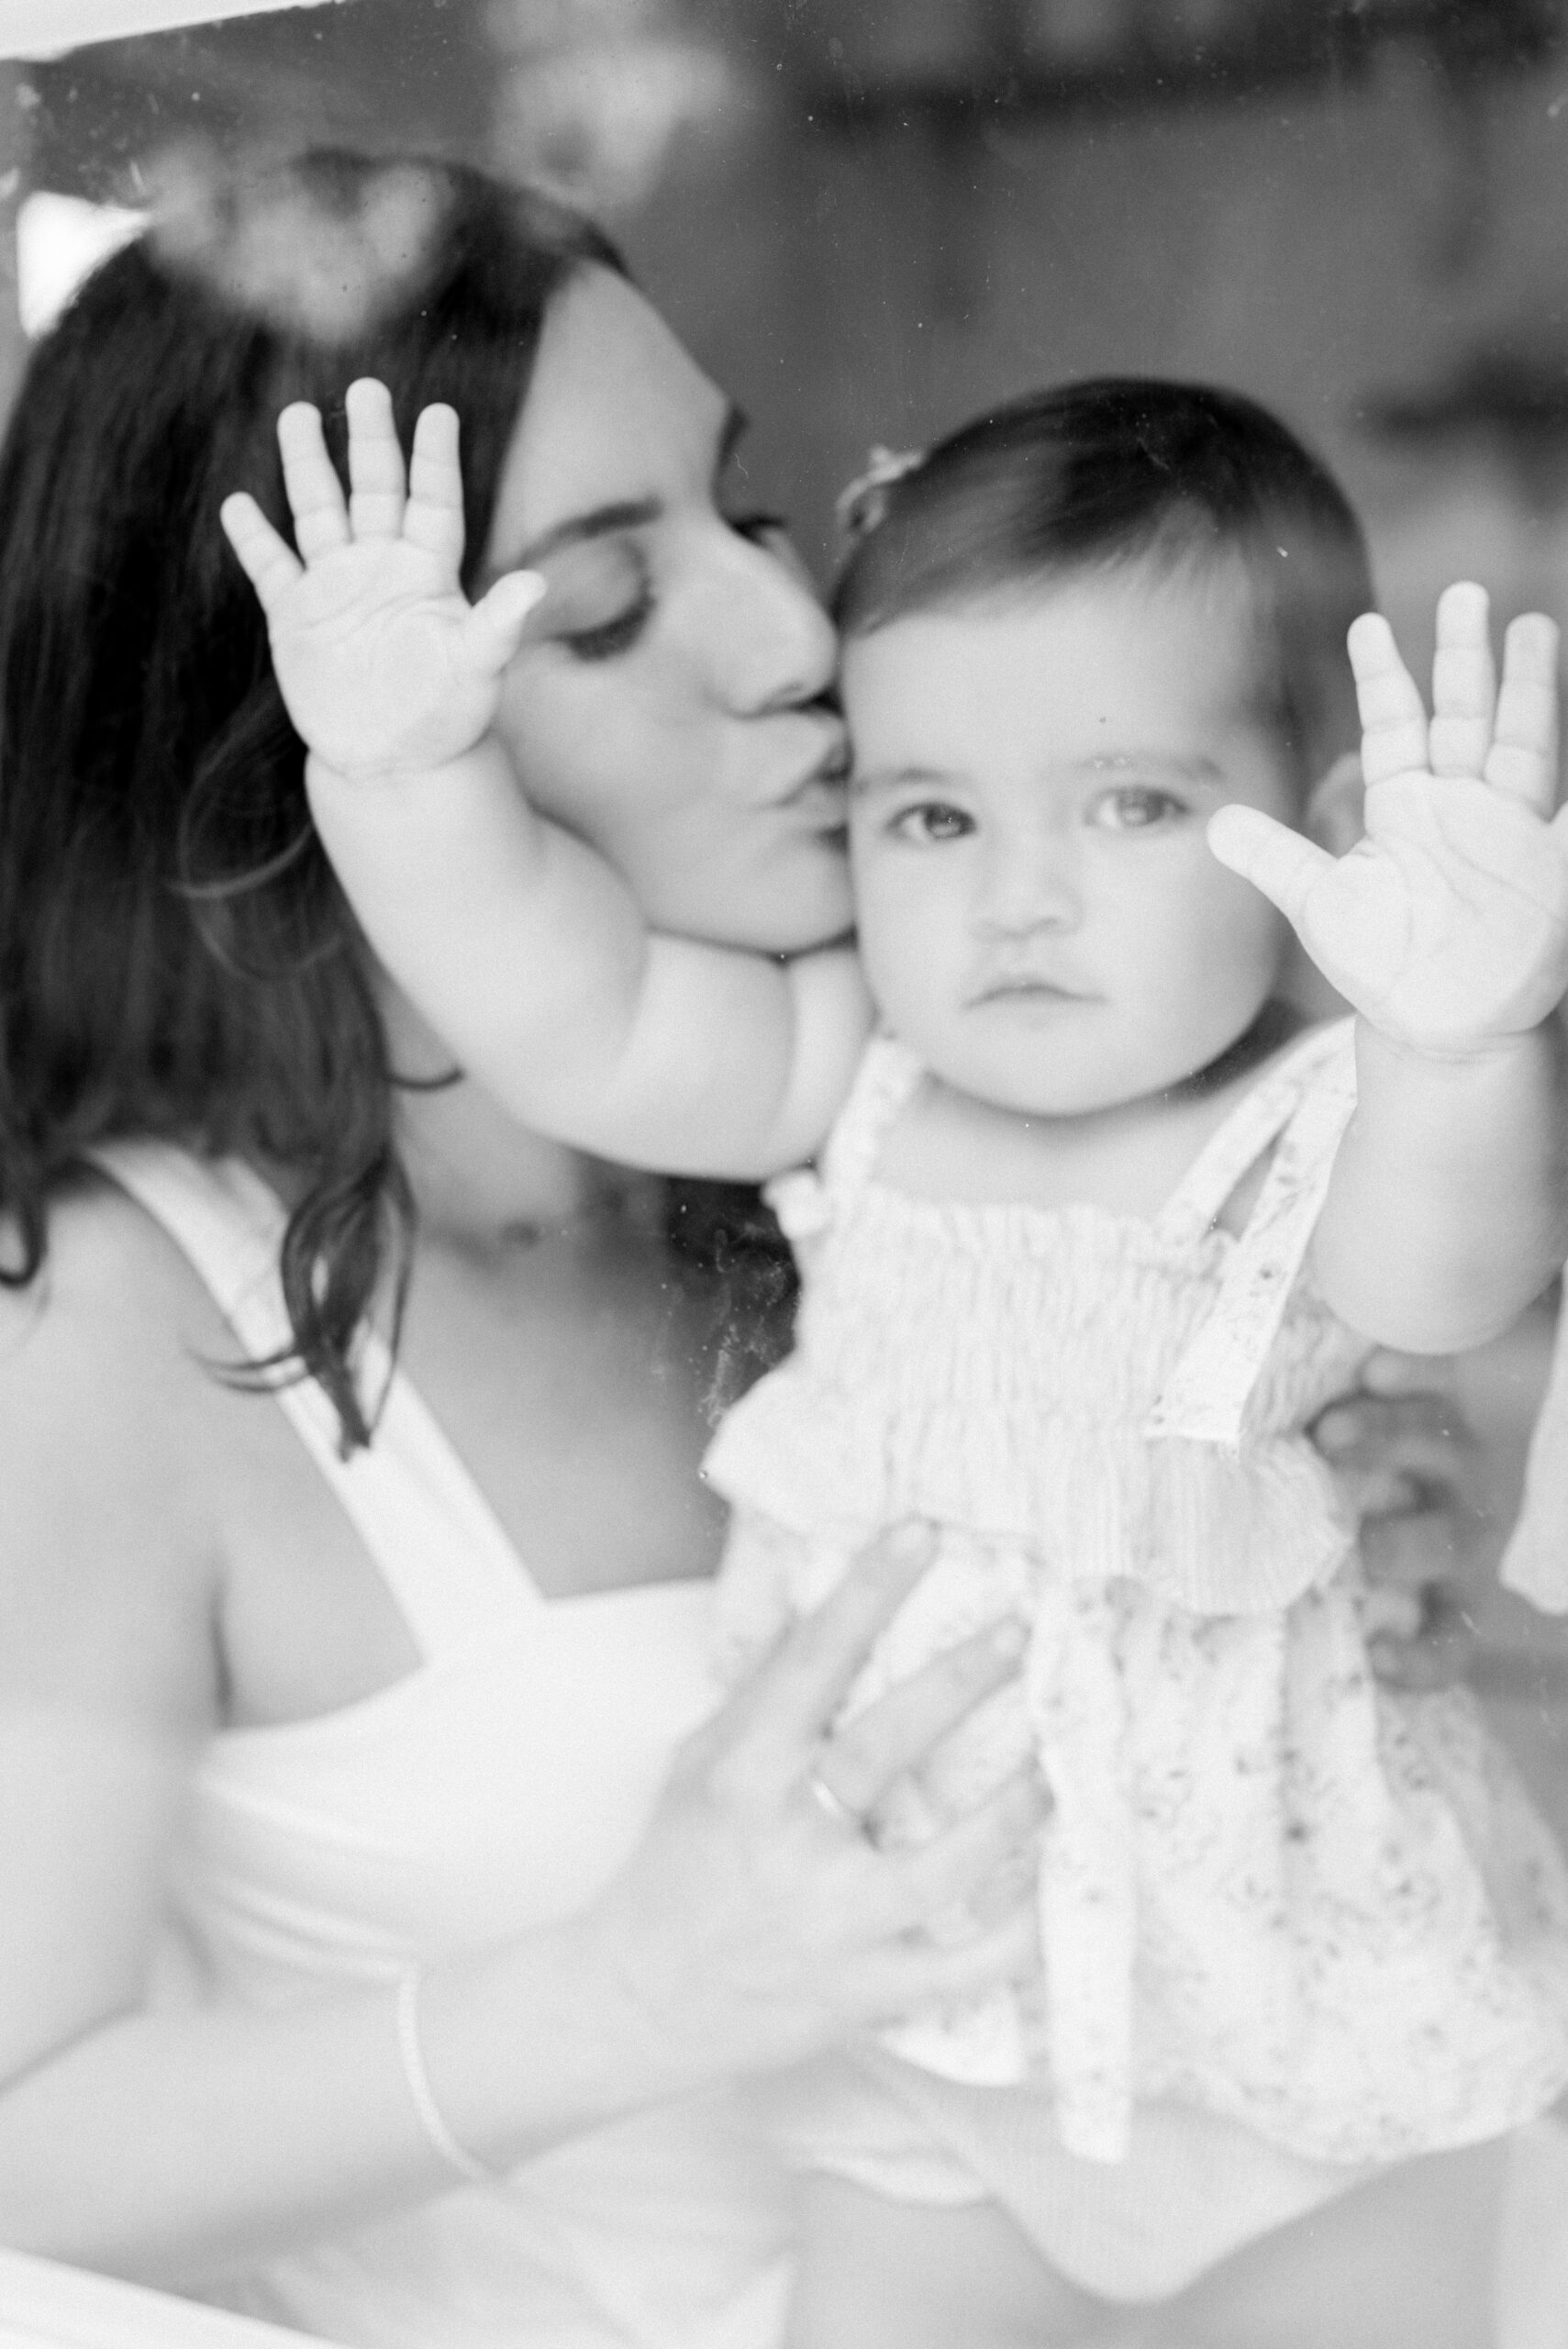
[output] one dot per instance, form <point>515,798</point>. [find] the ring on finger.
<point>829,1800</point>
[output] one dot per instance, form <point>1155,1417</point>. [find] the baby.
<point>1095,1225</point>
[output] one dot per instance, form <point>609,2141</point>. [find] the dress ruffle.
<point>1203,1528</point>
<point>1268,1886</point>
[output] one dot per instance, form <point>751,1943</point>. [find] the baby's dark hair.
<point>1121,471</point>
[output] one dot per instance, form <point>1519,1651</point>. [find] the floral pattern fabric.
<point>1268,1886</point>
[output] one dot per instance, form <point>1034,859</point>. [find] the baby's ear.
<point>1334,805</point>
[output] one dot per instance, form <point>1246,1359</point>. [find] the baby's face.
<point>1039,912</point>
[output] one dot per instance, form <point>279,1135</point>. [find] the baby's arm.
<point>1446,928</point>
<point>520,944</point>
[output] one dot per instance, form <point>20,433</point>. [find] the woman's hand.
<point>383,663</point>
<point>758,1923</point>
<point>1411,1468</point>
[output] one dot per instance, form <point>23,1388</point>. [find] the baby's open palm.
<point>1446,926</point>
<point>381,659</point>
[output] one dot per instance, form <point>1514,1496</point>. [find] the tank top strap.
<point>1305,1105</point>
<point>447,1560</point>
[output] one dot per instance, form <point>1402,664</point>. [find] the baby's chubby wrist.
<point>404,777</point>
<point>1457,1056</point>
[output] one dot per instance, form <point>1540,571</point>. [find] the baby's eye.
<point>932,824</point>
<point>1136,808</point>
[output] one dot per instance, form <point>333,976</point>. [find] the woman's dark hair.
<point>1117,471</point>
<point>176,958</point>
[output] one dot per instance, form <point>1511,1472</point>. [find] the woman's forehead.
<point>617,415</point>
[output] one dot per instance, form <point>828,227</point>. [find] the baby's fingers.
<point>434,519</point>
<point>314,493</point>
<point>1522,762</point>
<point>269,562</point>
<point>1464,682</point>
<point>494,628</point>
<point>376,462</point>
<point>1393,721</point>
<point>1273,858</point>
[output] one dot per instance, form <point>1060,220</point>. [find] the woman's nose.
<point>773,645</point>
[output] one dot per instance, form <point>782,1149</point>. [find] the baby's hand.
<point>382,662</point>
<point>1446,926</point>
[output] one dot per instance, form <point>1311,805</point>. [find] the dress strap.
<point>1307,1103</point>
<point>1241,1137</point>
<point>887,1076</point>
<point>802,1199</point>
<point>444,1554</point>
<point>1535,1562</point>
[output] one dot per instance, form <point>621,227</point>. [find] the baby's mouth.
<point>1029,983</point>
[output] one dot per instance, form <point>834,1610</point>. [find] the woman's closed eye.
<point>598,599</point>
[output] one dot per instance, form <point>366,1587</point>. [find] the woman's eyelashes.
<point>622,575</point>
<point>604,639</point>
<point>598,599</point>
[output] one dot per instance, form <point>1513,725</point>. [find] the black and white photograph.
<point>784,1175</point>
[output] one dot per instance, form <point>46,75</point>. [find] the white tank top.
<point>492,1790</point>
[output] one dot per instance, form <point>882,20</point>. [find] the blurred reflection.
<point>870,219</point>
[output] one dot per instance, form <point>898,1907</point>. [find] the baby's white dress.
<point>1273,1891</point>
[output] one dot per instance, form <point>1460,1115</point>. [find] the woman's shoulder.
<point>110,1416</point>
<point>112,1295</point>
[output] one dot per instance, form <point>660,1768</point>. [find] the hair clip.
<point>861,507</point>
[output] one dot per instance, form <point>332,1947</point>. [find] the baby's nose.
<point>1025,890</point>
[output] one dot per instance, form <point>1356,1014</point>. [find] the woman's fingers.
<point>1464,682</point>
<point>1393,1435</point>
<point>1522,761</point>
<point>1393,720</point>
<point>894,1983</point>
<point>965,1855</point>
<point>773,1726</point>
<point>376,478</point>
<point>1403,1414</point>
<point>865,1754</point>
<point>1437,1652</point>
<point>267,560</point>
<point>314,493</point>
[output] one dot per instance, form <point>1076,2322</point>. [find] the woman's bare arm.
<point>178,2143</point>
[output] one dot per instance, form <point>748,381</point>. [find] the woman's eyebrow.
<point>598,522</point>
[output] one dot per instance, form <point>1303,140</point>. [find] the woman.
<point>387,1911</point>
